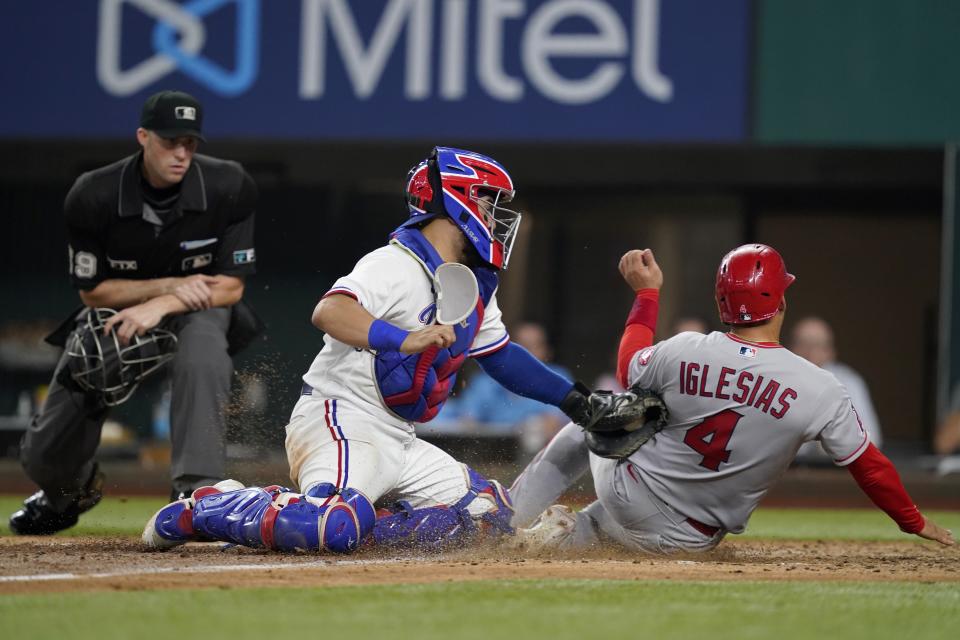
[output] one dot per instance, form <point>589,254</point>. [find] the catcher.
<point>740,407</point>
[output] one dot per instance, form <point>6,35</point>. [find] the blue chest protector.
<point>415,386</point>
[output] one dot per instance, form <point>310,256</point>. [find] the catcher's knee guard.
<point>324,519</point>
<point>320,520</point>
<point>485,510</point>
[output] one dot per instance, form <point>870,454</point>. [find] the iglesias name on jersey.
<point>738,413</point>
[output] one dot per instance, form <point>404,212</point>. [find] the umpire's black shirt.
<point>118,227</point>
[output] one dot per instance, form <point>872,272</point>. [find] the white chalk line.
<point>223,568</point>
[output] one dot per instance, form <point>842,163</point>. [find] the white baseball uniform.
<point>341,431</point>
<point>739,412</point>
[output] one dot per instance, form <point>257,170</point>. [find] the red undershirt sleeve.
<point>878,478</point>
<point>638,333</point>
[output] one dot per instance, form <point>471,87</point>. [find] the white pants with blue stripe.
<point>330,440</point>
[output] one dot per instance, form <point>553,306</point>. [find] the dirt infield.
<point>43,565</point>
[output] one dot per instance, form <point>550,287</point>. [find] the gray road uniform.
<point>859,392</point>
<point>739,411</point>
<point>118,227</point>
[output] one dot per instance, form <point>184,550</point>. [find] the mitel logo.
<point>616,39</point>
<point>178,39</point>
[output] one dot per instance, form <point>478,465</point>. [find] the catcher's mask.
<point>471,189</point>
<point>100,365</point>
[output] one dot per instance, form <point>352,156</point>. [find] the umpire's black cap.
<point>172,114</point>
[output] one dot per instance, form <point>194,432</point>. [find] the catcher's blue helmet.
<point>469,188</point>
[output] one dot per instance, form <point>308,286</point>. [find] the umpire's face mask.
<point>98,364</point>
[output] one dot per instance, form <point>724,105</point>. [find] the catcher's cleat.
<point>39,518</point>
<point>551,530</point>
<point>173,524</point>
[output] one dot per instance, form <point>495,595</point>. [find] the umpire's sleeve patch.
<point>84,264</point>
<point>245,256</point>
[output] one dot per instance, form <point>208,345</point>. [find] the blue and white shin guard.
<point>272,518</point>
<point>325,519</point>
<point>445,527</point>
<point>173,524</point>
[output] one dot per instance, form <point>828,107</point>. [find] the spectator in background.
<point>946,440</point>
<point>690,323</point>
<point>486,406</point>
<point>608,380</point>
<point>812,338</point>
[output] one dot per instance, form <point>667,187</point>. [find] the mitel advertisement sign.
<point>643,70</point>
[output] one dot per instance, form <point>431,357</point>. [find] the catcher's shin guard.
<point>321,520</point>
<point>426,528</point>
<point>233,517</point>
<point>485,510</point>
<point>173,524</point>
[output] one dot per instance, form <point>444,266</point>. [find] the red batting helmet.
<point>751,281</point>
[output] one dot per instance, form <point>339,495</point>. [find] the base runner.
<point>740,405</point>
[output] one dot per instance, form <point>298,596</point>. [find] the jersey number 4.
<point>710,438</point>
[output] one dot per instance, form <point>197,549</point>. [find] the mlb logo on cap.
<point>748,352</point>
<point>172,114</point>
<point>186,113</point>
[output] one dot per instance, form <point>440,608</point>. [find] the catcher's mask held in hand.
<point>457,292</point>
<point>100,365</point>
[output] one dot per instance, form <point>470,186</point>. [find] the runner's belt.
<point>703,528</point>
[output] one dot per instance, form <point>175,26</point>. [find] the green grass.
<point>112,517</point>
<point>836,524</point>
<point>500,609</point>
<point>126,516</point>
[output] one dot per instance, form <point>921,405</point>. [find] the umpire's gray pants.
<point>58,448</point>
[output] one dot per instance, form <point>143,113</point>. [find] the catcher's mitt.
<point>622,422</point>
